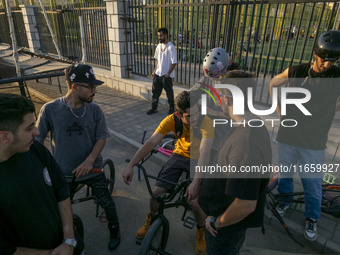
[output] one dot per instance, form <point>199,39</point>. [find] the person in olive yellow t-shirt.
<point>179,160</point>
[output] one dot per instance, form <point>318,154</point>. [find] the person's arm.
<point>205,150</point>
<point>278,81</point>
<point>151,143</point>
<point>237,211</point>
<point>86,166</point>
<point>65,211</point>
<point>43,125</point>
<point>172,67</point>
<point>154,70</point>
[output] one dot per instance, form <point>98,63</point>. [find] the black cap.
<point>81,73</point>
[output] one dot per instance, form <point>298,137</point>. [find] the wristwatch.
<point>212,222</point>
<point>71,242</point>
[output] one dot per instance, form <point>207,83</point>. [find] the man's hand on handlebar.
<point>128,174</point>
<point>193,190</point>
<point>83,169</point>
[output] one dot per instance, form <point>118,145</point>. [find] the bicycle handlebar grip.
<point>96,170</point>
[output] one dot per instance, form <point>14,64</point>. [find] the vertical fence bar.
<point>317,31</point>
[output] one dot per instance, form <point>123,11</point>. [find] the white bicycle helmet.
<point>216,62</point>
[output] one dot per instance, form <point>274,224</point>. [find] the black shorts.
<point>172,171</point>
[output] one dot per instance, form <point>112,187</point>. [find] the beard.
<point>86,100</point>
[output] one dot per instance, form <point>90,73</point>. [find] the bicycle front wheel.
<point>156,238</point>
<point>109,171</point>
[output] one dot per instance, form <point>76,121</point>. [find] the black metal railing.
<point>264,37</point>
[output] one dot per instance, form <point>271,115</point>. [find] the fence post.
<point>30,16</point>
<point>121,52</point>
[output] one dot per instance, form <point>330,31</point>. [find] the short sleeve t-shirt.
<point>73,138</point>
<point>244,146</point>
<point>166,55</point>
<point>311,132</point>
<point>30,191</point>
<point>183,144</point>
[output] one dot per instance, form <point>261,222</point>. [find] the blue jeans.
<point>289,155</point>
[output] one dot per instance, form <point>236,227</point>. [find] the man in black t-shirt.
<point>304,145</point>
<point>35,208</point>
<point>236,201</point>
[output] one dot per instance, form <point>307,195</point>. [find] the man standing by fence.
<point>166,61</point>
<point>305,143</point>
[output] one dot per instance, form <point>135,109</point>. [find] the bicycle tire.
<point>78,225</point>
<point>109,172</point>
<point>157,228</point>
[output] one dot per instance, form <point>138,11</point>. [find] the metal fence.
<point>66,26</point>
<point>19,26</point>
<point>262,36</point>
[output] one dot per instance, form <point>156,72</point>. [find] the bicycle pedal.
<point>189,222</point>
<point>102,218</point>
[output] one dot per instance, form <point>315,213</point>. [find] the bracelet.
<point>212,222</point>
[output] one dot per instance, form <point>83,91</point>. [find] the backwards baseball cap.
<point>81,73</point>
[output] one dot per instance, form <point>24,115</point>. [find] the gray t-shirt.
<point>73,138</point>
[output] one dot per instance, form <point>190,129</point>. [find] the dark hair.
<point>182,102</point>
<point>13,108</point>
<point>163,30</point>
<point>234,66</point>
<point>241,79</point>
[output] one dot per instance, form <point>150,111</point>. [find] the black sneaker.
<point>151,111</point>
<point>114,237</point>
<point>310,230</point>
<point>171,111</point>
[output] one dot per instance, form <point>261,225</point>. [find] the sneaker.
<point>171,111</point>
<point>281,209</point>
<point>310,230</point>
<point>114,237</point>
<point>151,111</point>
<point>200,245</point>
<point>141,232</point>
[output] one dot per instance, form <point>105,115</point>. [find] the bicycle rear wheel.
<point>156,238</point>
<point>109,171</point>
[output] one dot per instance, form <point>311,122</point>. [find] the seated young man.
<point>35,208</point>
<point>180,158</point>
